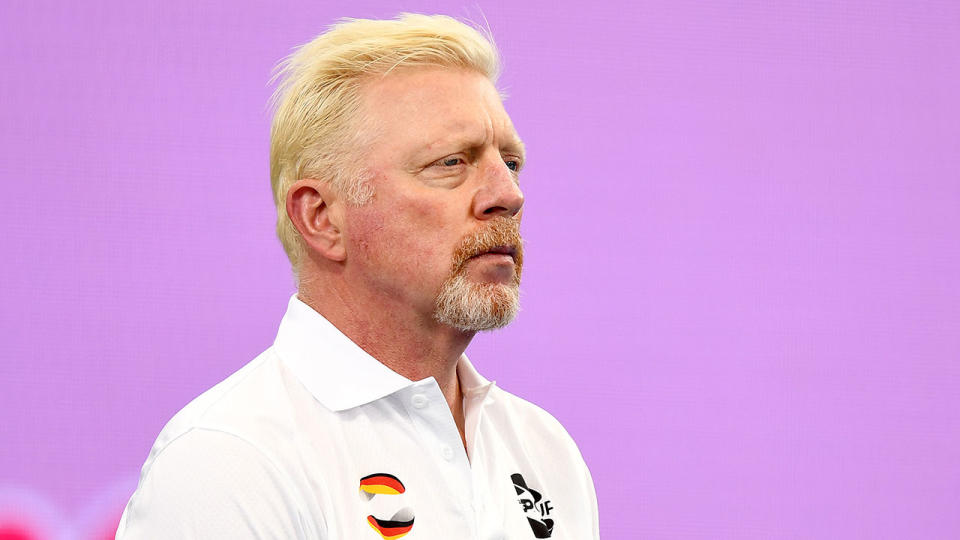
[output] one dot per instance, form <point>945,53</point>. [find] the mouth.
<point>508,250</point>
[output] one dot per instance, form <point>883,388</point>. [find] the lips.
<point>499,250</point>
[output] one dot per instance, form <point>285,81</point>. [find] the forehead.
<point>427,107</point>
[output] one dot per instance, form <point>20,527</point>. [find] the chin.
<point>476,307</point>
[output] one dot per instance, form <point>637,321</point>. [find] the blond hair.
<point>316,124</point>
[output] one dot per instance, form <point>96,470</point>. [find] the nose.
<point>498,195</point>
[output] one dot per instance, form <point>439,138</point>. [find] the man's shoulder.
<point>251,401</point>
<point>212,484</point>
<point>219,457</point>
<point>532,424</point>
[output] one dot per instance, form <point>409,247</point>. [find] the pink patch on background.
<point>12,530</point>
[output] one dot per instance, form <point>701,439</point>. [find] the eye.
<point>513,164</point>
<point>451,161</point>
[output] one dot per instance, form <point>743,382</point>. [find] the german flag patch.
<point>381,484</point>
<point>401,522</point>
<point>393,528</point>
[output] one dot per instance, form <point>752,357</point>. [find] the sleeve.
<point>211,484</point>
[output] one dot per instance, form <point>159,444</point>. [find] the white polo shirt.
<point>317,439</point>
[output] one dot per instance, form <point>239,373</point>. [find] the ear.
<point>312,207</point>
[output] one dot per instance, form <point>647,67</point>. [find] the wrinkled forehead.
<point>434,103</point>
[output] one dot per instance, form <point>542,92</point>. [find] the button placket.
<point>430,415</point>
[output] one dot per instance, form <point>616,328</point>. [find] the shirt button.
<point>447,452</point>
<point>419,401</point>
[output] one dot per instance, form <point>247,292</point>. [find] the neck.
<point>411,344</point>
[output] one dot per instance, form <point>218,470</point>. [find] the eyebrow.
<point>512,144</point>
<point>516,145</point>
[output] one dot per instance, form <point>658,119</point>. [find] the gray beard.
<point>476,306</point>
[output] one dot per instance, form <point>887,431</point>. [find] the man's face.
<point>441,232</point>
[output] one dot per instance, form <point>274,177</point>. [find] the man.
<point>395,173</point>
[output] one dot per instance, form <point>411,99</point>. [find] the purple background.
<point>742,293</point>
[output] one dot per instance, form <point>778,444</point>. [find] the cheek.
<point>411,238</point>
<point>365,227</point>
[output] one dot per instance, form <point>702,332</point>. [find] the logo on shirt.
<point>535,507</point>
<point>401,522</point>
<point>381,484</point>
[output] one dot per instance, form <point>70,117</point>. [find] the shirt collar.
<point>471,382</point>
<point>334,369</point>
<point>340,374</point>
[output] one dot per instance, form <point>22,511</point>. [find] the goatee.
<point>473,306</point>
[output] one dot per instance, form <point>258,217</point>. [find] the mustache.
<point>501,232</point>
